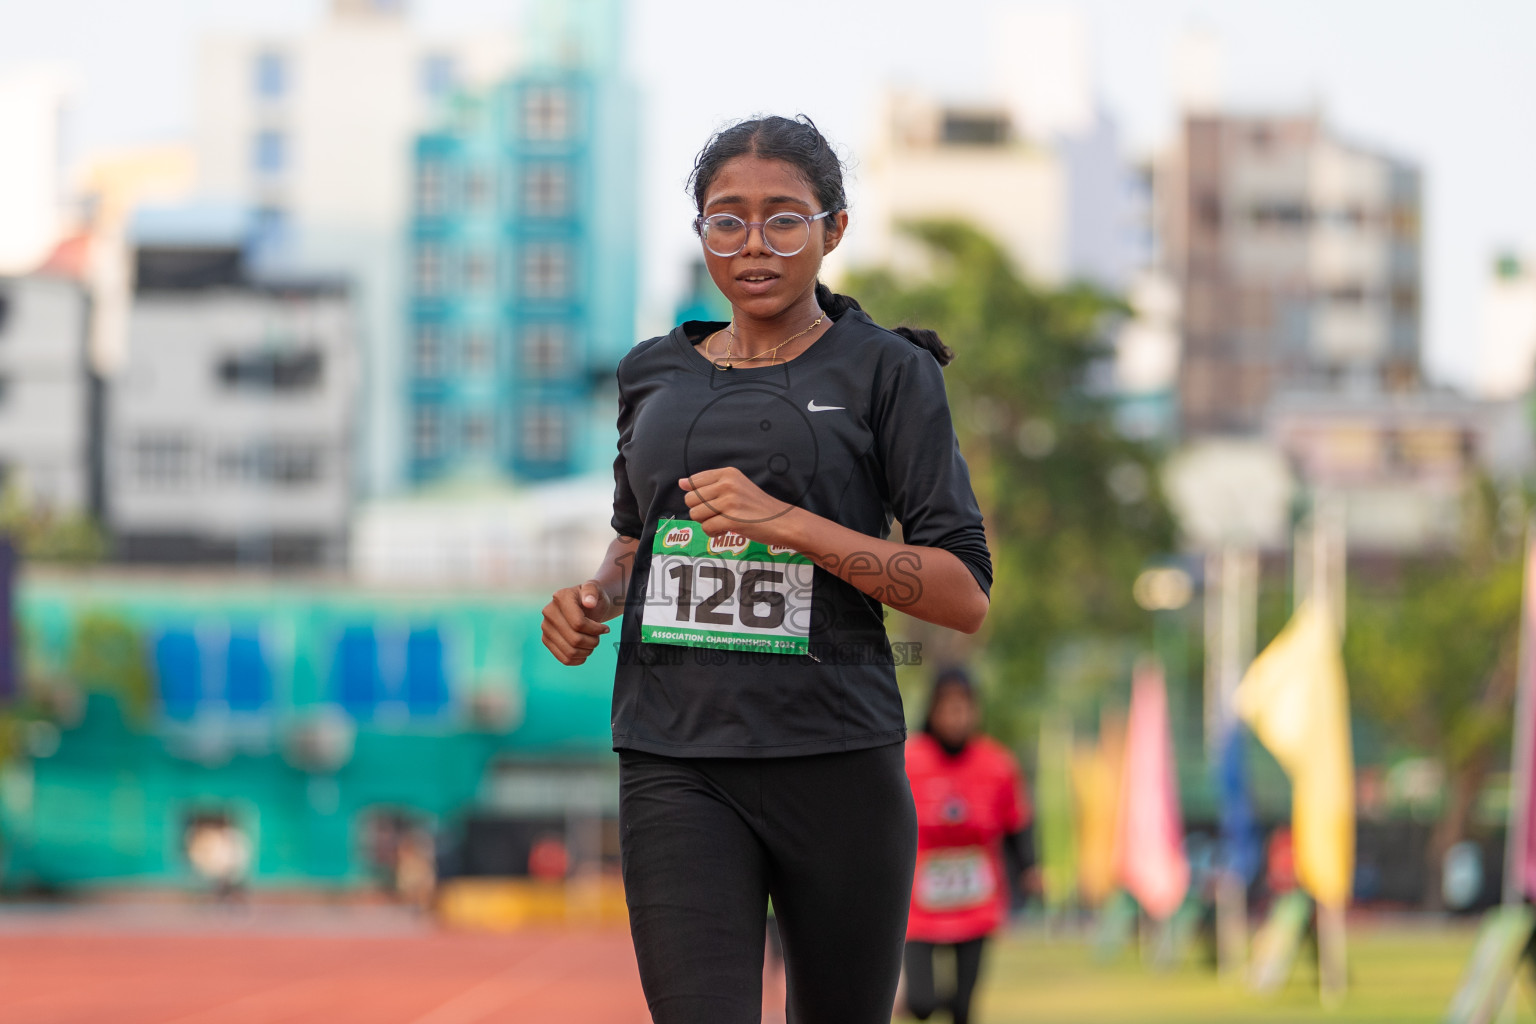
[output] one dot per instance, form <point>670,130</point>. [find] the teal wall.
<point>107,804</point>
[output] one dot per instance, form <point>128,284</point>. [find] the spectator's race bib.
<point>725,592</point>
<point>955,879</point>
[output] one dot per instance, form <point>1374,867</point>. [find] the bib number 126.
<point>725,592</point>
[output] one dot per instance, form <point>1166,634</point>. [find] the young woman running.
<point>755,708</point>
<point>971,810</point>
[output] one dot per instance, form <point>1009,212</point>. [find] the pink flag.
<point>1151,860</point>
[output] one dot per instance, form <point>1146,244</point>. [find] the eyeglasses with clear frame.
<point>785,234</point>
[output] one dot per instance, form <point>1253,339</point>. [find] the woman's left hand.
<point>725,501</point>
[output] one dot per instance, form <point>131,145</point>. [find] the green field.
<point>1399,975</point>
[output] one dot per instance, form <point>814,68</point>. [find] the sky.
<point>1448,85</point>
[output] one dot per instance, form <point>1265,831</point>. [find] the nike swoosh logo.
<point>813,407</point>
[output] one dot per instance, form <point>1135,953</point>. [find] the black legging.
<point>922,1000</point>
<point>705,841</point>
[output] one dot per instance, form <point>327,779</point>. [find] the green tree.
<point>1432,655</point>
<point>46,536</point>
<point>1073,507</point>
<point>107,655</point>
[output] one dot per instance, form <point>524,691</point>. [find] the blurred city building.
<point>316,132</point>
<point>1506,361</point>
<point>1397,464</point>
<point>229,427</point>
<point>1039,166</point>
<point>476,535</point>
<point>1038,163</point>
<point>524,260</point>
<point>49,396</point>
<point>970,162</point>
<point>113,185</point>
<point>34,102</point>
<point>1297,255</point>
<point>1042,69</point>
<point>317,719</point>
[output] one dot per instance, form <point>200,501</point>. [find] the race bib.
<point>955,879</point>
<point>725,592</point>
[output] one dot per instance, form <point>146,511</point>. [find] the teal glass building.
<point>523,260</point>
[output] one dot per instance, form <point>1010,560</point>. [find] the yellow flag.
<point>1096,774</point>
<point>1296,701</point>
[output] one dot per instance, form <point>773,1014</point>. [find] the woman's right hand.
<point>573,621</point>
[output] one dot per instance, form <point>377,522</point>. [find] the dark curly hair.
<point>799,143</point>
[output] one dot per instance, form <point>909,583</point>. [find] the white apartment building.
<point>1506,359</point>
<point>930,160</point>
<point>1036,163</point>
<point>315,132</point>
<point>229,427</point>
<point>46,392</point>
<point>33,103</point>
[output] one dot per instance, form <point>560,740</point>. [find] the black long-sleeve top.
<point>856,429</point>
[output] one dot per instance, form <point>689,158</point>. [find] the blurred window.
<point>477,191</point>
<point>271,77</point>
<point>478,275</point>
<point>1208,205</point>
<point>1281,213</point>
<point>439,75</point>
<point>5,310</point>
<point>479,352</point>
<point>270,152</point>
<point>429,350</point>
<point>162,460</point>
<point>299,370</point>
<point>546,271</point>
<point>546,190</point>
<point>285,463</point>
<point>235,465</point>
<point>291,463</point>
<point>431,189</point>
<point>427,432</point>
<point>431,278</point>
<point>546,114</point>
<point>964,129</point>
<point>544,436</point>
<point>5,388</point>
<point>544,350</point>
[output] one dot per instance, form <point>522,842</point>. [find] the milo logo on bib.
<point>677,537</point>
<point>725,592</point>
<point>727,544</point>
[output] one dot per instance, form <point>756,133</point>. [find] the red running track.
<point>63,973</point>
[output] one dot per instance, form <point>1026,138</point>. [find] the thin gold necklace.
<point>731,344</point>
